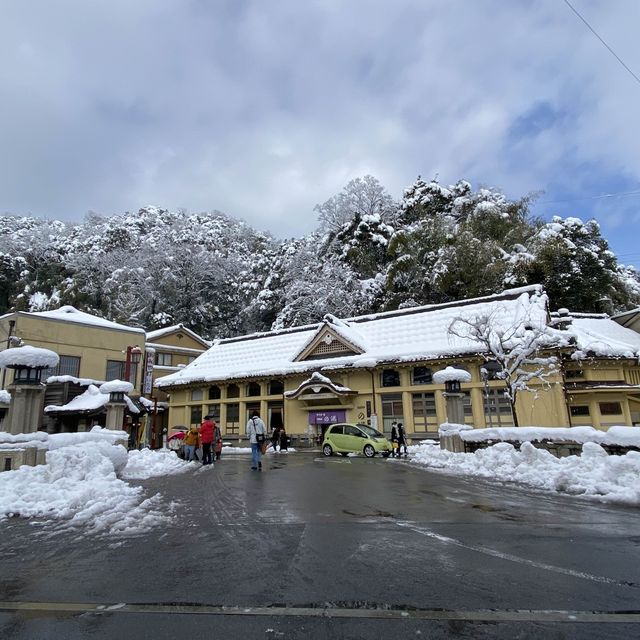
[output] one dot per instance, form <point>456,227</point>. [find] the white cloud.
<point>263,110</point>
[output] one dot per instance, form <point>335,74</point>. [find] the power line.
<point>595,33</point>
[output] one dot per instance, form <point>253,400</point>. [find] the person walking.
<point>207,432</point>
<point>191,443</point>
<point>402,439</point>
<point>257,435</point>
<point>394,440</point>
<point>217,441</point>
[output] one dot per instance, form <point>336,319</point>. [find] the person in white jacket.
<point>257,433</point>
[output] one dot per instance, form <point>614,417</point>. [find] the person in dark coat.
<point>394,440</point>
<point>275,438</point>
<point>284,440</point>
<point>402,440</point>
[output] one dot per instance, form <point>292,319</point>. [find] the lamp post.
<point>133,358</point>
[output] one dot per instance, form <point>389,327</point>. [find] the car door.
<point>354,438</point>
<point>336,437</point>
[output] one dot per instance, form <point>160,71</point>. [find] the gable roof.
<point>176,328</point>
<point>406,335</point>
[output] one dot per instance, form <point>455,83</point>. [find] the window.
<point>197,394</point>
<point>610,408</point>
<point>572,374</point>
<point>214,410</point>
<point>233,391</point>
<point>425,417</point>
<point>421,375</point>
<point>390,378</point>
<point>276,387</point>
<point>466,405</point>
<point>253,389</point>
<point>391,409</point>
<point>350,430</point>
<point>579,410</point>
<point>233,418</point>
<point>215,393</point>
<point>196,415</point>
<point>338,430</point>
<point>163,359</point>
<point>497,409</point>
<point>115,370</point>
<point>67,366</point>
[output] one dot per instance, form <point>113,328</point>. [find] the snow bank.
<point>149,464</point>
<point>622,436</point>
<point>594,474</point>
<point>79,486</point>
<point>79,483</point>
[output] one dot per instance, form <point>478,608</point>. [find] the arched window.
<point>214,392</point>
<point>253,389</point>
<point>276,387</point>
<point>233,391</point>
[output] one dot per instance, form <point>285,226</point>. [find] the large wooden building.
<point>379,368</point>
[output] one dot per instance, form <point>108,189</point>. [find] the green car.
<point>354,438</point>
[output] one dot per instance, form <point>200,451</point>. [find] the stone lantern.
<point>451,378</point>
<point>116,390</point>
<point>27,390</point>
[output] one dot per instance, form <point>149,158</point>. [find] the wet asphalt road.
<point>333,548</point>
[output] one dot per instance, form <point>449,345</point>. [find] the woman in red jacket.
<point>207,430</point>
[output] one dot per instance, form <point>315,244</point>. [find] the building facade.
<point>379,368</point>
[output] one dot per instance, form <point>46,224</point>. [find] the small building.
<point>92,350</point>
<point>379,368</point>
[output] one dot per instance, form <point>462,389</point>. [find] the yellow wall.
<point>544,406</point>
<point>93,344</point>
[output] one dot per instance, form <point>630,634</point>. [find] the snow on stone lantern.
<point>27,390</point>
<point>116,390</point>
<point>451,378</point>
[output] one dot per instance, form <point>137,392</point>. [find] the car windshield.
<point>370,431</point>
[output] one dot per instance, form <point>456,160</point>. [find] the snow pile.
<point>593,474</point>
<point>79,485</point>
<point>5,396</point>
<point>37,439</point>
<point>149,464</point>
<point>621,436</point>
<point>451,374</point>
<point>449,428</point>
<point>116,386</point>
<point>28,356</point>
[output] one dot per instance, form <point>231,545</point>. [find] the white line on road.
<point>507,556</point>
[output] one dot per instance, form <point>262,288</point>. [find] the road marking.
<point>512,558</point>
<point>482,615</point>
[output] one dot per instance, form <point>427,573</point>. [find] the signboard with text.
<point>327,417</point>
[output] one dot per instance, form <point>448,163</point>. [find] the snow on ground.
<point>83,484</point>
<point>594,474</point>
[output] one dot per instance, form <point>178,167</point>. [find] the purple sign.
<point>327,417</point>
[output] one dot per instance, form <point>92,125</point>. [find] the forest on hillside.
<point>369,252</point>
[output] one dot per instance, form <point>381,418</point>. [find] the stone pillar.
<point>115,415</point>
<point>455,407</point>
<point>25,410</point>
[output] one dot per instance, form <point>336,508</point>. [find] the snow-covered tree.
<point>520,349</point>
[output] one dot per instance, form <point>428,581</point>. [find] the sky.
<point>264,109</point>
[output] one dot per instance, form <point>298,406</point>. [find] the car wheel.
<point>344,455</point>
<point>369,451</point>
<point>327,450</point>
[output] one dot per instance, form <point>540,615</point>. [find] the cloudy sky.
<point>262,109</point>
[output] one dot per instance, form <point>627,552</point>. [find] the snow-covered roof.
<point>71,314</point>
<point>599,335</point>
<point>28,356</point>
<point>159,333</point>
<point>91,400</point>
<point>406,335</point>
